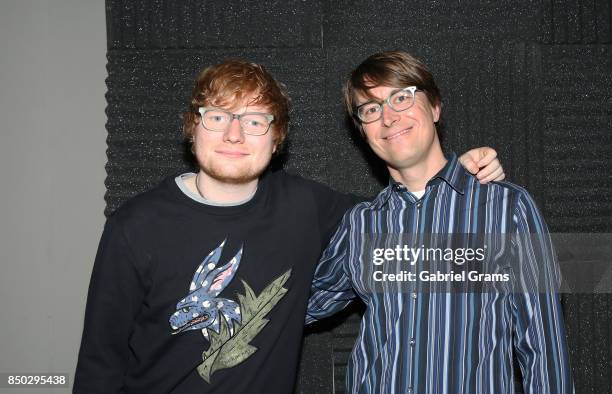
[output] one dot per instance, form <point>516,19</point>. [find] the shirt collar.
<point>452,173</point>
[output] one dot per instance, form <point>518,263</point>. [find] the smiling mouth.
<point>399,133</point>
<point>231,153</point>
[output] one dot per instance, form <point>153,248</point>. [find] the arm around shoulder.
<point>331,288</point>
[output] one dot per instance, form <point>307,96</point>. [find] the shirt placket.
<point>413,297</point>
<point>415,210</point>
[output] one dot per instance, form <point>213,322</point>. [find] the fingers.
<point>488,169</point>
<point>487,155</point>
<point>497,175</point>
<point>470,165</point>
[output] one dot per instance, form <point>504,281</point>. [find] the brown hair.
<point>393,68</point>
<point>229,83</point>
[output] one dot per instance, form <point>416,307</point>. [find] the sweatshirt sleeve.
<point>115,295</point>
<point>331,207</point>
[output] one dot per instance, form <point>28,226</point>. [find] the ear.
<point>436,111</point>
<point>221,277</point>
<point>209,263</point>
<point>275,138</point>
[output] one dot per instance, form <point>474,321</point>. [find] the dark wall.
<point>532,79</point>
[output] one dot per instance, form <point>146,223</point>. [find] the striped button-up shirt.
<point>415,341</point>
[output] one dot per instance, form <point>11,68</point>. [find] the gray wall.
<point>52,157</point>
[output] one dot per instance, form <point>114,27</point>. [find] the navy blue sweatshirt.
<point>187,297</point>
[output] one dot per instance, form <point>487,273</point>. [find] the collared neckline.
<point>452,173</point>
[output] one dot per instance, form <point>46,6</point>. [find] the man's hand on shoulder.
<point>483,163</point>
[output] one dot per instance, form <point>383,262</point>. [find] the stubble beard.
<point>236,177</point>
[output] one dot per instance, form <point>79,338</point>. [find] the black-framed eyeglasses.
<point>252,123</point>
<point>398,100</point>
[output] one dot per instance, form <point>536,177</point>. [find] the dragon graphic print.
<point>228,325</point>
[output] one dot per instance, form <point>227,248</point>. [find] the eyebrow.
<point>372,100</point>
<point>244,113</point>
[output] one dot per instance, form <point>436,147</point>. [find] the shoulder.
<point>301,185</point>
<point>515,193</point>
<point>364,209</point>
<point>308,194</point>
<point>526,214</point>
<point>295,181</point>
<point>500,193</point>
<point>147,204</point>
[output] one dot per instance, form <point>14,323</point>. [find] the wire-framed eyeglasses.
<point>398,100</point>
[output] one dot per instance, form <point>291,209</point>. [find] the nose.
<point>389,116</point>
<point>234,133</point>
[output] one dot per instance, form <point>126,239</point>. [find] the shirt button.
<point>410,390</point>
<point>412,342</point>
<point>414,295</point>
<point>418,204</point>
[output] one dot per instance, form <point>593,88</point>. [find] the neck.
<point>221,192</point>
<point>416,176</point>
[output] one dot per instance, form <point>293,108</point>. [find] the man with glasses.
<point>457,277</point>
<point>201,284</point>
